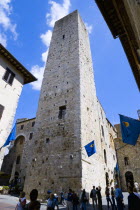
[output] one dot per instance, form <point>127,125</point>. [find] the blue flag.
<point>90,148</point>
<point>130,129</point>
<point>11,136</point>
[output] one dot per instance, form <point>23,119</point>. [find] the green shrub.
<point>5,187</point>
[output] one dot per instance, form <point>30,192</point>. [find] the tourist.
<point>136,185</point>
<point>52,202</point>
<point>136,192</point>
<point>93,195</point>
<point>99,197</point>
<point>133,200</point>
<point>83,200</point>
<point>75,201</point>
<point>107,193</point>
<point>119,198</point>
<point>34,204</point>
<point>22,202</point>
<point>69,200</point>
<point>113,198</point>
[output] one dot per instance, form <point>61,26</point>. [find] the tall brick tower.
<point>67,116</point>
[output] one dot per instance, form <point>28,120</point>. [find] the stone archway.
<point>129,179</point>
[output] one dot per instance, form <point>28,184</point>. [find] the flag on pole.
<point>90,148</point>
<point>130,129</point>
<point>11,136</point>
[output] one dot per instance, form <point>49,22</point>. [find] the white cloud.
<point>89,28</point>
<point>5,21</point>
<point>3,40</point>
<point>46,38</point>
<point>44,56</point>
<point>38,72</point>
<point>57,11</point>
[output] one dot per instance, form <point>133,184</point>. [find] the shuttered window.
<point>1,110</point>
<point>9,76</point>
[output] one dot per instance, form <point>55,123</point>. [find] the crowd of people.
<point>72,201</point>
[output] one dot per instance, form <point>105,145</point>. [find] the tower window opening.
<point>102,130</point>
<point>105,158</point>
<point>33,123</point>
<point>126,161</point>
<point>62,112</point>
<point>63,36</point>
<point>31,136</point>
<point>18,160</point>
<point>22,126</point>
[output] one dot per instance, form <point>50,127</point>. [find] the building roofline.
<point>28,77</point>
<point>25,120</point>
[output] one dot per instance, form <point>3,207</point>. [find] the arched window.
<point>105,156</point>
<point>18,160</point>
<point>126,161</point>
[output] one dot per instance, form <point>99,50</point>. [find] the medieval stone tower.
<point>67,117</point>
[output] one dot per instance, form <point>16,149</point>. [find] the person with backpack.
<point>69,200</point>
<point>83,199</point>
<point>22,202</point>
<point>93,195</point>
<point>119,198</point>
<point>107,193</point>
<point>99,198</point>
<point>52,202</point>
<point>75,201</point>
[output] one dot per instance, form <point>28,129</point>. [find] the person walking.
<point>107,193</point>
<point>93,195</point>
<point>133,200</point>
<point>83,200</point>
<point>52,202</point>
<point>22,202</point>
<point>69,200</point>
<point>34,204</point>
<point>119,198</point>
<point>136,185</point>
<point>75,201</point>
<point>113,199</point>
<point>99,198</point>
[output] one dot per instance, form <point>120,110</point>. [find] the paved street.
<point>9,202</point>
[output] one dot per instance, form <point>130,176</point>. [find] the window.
<point>9,76</point>
<point>126,161</point>
<point>105,156</point>
<point>62,112</point>
<point>63,36</point>
<point>1,110</point>
<point>18,160</point>
<point>102,130</point>
<point>31,136</point>
<point>33,123</point>
<point>22,126</point>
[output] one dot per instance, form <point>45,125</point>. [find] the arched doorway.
<point>129,179</point>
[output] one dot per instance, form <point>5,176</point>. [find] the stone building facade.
<point>12,78</point>
<point>128,160</point>
<point>69,116</point>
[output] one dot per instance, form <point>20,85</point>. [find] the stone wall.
<point>133,154</point>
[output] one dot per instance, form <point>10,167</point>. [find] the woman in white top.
<point>22,202</point>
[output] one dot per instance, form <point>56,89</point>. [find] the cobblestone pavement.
<point>9,202</point>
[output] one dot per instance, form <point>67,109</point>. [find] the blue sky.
<point>25,30</point>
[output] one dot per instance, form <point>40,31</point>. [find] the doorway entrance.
<point>129,179</point>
